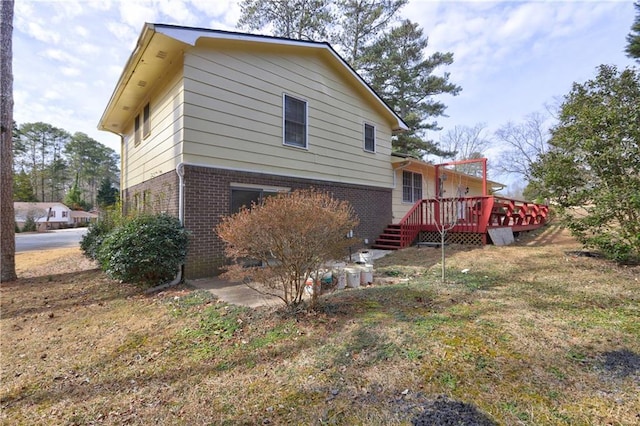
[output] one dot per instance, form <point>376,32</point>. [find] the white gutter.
<point>178,278</point>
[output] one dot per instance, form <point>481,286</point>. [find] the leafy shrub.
<point>146,249</point>
<point>29,225</point>
<point>99,230</point>
<point>92,240</point>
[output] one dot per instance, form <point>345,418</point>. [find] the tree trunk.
<point>7,217</point>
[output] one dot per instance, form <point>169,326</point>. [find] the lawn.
<point>531,334</point>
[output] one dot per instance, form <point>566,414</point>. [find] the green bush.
<point>29,225</point>
<point>146,249</point>
<point>92,240</point>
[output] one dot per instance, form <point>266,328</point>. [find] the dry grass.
<point>529,335</point>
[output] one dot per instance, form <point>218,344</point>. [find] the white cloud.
<point>81,31</point>
<point>62,56</point>
<point>40,33</point>
<point>178,12</point>
<point>71,72</point>
<point>135,13</point>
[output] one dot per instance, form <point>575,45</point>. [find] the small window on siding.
<point>146,121</point>
<point>136,131</point>
<point>411,187</point>
<point>369,138</point>
<point>295,122</point>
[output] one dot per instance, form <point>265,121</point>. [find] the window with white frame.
<point>146,121</point>
<point>411,187</point>
<point>295,122</point>
<point>369,137</point>
<point>136,130</point>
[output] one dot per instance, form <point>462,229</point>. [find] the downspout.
<point>178,278</point>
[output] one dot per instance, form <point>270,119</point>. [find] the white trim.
<point>234,169</point>
<point>306,121</point>
<point>235,185</point>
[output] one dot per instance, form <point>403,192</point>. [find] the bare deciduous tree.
<point>7,227</point>
<point>522,144</point>
<point>467,143</point>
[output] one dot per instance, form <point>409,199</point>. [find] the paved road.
<point>49,240</point>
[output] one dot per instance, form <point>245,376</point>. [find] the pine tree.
<point>396,68</point>
<point>633,39</point>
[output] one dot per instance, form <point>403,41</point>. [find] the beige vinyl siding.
<point>234,117</point>
<point>159,152</point>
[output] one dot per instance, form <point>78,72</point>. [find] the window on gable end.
<point>369,138</point>
<point>146,121</point>
<point>136,131</point>
<point>295,122</point>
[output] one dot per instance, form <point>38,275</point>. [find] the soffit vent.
<point>161,54</point>
<point>142,83</point>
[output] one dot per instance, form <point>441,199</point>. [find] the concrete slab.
<point>235,293</point>
<point>243,295</point>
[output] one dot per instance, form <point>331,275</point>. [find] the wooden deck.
<point>468,218</point>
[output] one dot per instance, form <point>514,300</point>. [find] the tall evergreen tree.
<point>107,194</point>
<point>40,146</point>
<point>396,68</point>
<point>633,39</point>
<point>22,189</point>
<point>360,22</point>
<point>92,161</point>
<point>295,19</point>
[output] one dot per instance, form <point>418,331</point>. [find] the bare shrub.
<point>288,238</point>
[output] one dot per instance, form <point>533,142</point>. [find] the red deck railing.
<point>472,215</point>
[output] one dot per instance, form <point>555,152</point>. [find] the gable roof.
<point>26,205</point>
<point>160,45</point>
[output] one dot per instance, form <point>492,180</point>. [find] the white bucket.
<point>366,274</point>
<point>365,257</point>
<point>341,277</point>
<point>353,277</point>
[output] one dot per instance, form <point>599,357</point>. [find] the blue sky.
<point>510,58</point>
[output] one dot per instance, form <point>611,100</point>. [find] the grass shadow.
<point>27,296</point>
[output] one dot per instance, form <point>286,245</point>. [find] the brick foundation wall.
<point>207,200</point>
<point>157,195</point>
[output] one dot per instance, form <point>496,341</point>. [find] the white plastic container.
<point>353,277</point>
<point>365,257</point>
<point>366,274</point>
<point>341,277</point>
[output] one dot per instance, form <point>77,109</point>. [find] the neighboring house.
<point>82,218</point>
<point>212,120</point>
<point>46,215</point>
